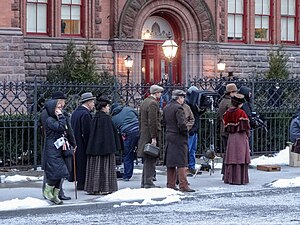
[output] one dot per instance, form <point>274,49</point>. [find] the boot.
<point>56,199</point>
<point>48,192</point>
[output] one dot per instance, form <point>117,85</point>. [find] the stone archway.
<point>192,14</point>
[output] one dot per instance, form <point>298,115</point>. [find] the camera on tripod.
<point>201,99</point>
<point>258,121</point>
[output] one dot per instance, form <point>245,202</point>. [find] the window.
<point>235,19</point>
<point>70,16</point>
<point>36,16</point>
<point>262,20</point>
<point>288,19</point>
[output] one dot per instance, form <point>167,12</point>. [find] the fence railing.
<point>21,140</point>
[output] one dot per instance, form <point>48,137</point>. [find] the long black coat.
<point>81,123</point>
<point>104,138</point>
<point>54,164</point>
<point>176,135</point>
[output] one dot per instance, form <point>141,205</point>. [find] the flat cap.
<point>177,93</point>
<point>155,88</point>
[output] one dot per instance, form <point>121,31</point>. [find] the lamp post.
<point>128,64</point>
<point>170,48</point>
<point>221,66</point>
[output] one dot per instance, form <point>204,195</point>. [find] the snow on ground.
<point>155,196</point>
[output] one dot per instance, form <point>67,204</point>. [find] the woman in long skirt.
<point>101,177</point>
<point>237,157</point>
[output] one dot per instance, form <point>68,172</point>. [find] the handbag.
<point>67,149</point>
<point>151,150</point>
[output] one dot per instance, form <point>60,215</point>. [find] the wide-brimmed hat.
<point>86,97</point>
<point>231,88</point>
<point>239,98</point>
<point>58,95</point>
<point>177,93</point>
<point>155,88</point>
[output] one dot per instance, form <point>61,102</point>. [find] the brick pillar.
<point>11,55</point>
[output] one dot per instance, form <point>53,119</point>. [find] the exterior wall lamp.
<point>170,49</point>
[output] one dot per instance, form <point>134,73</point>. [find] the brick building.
<point>34,35</point>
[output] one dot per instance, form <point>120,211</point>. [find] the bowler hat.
<point>58,95</point>
<point>239,98</point>
<point>155,88</point>
<point>177,93</point>
<point>86,97</point>
<point>231,88</point>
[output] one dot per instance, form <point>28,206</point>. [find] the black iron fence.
<point>21,103</point>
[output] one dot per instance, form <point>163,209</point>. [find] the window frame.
<point>244,28</point>
<point>270,16</point>
<point>48,18</point>
<point>81,5</point>
<point>296,18</point>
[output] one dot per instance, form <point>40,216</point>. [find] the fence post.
<point>35,124</point>
<point>252,132</point>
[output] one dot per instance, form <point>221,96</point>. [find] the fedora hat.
<point>231,88</point>
<point>86,97</point>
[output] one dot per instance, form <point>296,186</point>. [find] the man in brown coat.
<point>176,142</point>
<point>150,126</point>
<point>231,89</point>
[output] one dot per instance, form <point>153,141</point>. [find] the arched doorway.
<point>156,30</point>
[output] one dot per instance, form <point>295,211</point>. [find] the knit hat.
<point>231,88</point>
<point>155,88</point>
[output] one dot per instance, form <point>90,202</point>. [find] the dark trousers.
<point>224,144</point>
<point>148,170</point>
<point>130,142</point>
<point>172,173</point>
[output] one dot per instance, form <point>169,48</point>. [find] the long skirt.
<point>237,159</point>
<point>101,176</point>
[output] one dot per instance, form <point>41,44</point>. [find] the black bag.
<point>67,149</point>
<point>151,150</point>
<point>296,146</point>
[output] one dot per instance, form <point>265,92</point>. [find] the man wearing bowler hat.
<point>81,121</point>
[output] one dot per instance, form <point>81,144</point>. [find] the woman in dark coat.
<point>54,163</point>
<point>237,156</point>
<point>101,176</point>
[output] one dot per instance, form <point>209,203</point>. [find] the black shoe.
<point>64,197</point>
<point>151,186</point>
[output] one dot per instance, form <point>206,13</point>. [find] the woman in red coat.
<point>237,157</point>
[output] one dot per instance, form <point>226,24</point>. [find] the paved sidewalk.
<point>205,184</point>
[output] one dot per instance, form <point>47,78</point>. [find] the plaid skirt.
<point>101,176</point>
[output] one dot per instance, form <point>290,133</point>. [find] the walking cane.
<point>75,180</point>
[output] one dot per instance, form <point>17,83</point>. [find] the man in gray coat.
<point>150,126</point>
<point>176,142</point>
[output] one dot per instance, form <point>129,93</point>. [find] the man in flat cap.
<point>231,89</point>
<point>81,122</point>
<point>150,126</point>
<point>176,156</point>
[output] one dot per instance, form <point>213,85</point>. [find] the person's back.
<point>125,119</point>
<point>295,129</point>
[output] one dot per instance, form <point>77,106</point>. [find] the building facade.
<point>34,35</point>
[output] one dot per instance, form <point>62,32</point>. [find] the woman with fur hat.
<point>237,156</point>
<point>103,143</point>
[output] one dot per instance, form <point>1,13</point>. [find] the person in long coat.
<point>81,122</point>
<point>54,163</point>
<point>237,157</point>
<point>225,104</point>
<point>176,142</point>
<point>104,142</point>
<point>150,127</point>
